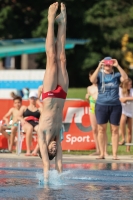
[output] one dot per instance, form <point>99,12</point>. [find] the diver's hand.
<point>46,177</point>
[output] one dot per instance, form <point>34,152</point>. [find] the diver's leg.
<point>50,77</point>
<point>60,48</point>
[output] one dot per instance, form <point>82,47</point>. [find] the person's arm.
<point>87,94</point>
<point>39,103</point>
<point>44,153</point>
<point>58,158</point>
<point>20,115</point>
<point>93,77</point>
<point>40,91</point>
<point>7,115</point>
<point>124,76</point>
<point>39,95</point>
<point>125,99</point>
<point>40,109</point>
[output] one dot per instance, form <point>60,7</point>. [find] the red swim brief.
<point>29,118</point>
<point>57,93</point>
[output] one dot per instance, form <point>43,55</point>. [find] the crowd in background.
<point>28,117</point>
<point>24,93</point>
<point>111,100</point>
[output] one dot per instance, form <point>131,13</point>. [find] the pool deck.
<point>68,158</point>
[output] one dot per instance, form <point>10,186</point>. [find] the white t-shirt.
<point>127,108</point>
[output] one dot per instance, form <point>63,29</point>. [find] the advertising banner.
<point>76,123</point>
<point>78,134</point>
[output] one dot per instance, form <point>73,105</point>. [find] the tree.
<point>103,23</point>
<point>19,18</point>
<point>109,21</point>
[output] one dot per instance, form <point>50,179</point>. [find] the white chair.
<point>20,138</point>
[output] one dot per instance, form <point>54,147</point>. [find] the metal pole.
<point>18,141</point>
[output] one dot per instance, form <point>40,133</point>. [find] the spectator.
<point>29,117</point>
<point>11,114</point>
<point>20,93</point>
<point>26,93</point>
<point>40,90</point>
<point>126,98</point>
<point>13,95</point>
<point>108,105</point>
<point>92,93</point>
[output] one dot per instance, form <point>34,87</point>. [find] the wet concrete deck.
<point>68,158</point>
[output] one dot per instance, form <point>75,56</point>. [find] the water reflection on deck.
<point>20,180</point>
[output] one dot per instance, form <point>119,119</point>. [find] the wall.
<point>77,135</point>
<point>14,80</point>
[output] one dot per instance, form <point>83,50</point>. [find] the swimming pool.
<point>22,180</point>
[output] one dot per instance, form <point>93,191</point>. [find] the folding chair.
<point>20,138</point>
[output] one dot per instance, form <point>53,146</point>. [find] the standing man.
<point>54,91</point>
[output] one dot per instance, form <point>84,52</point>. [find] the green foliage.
<point>104,23</point>
<point>41,30</point>
<point>109,21</point>
<point>78,93</point>
<point>19,18</point>
<point>4,14</point>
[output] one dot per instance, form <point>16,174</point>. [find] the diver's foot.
<point>52,12</point>
<point>61,18</point>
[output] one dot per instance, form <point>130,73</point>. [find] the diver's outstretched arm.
<point>44,155</point>
<point>58,158</point>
